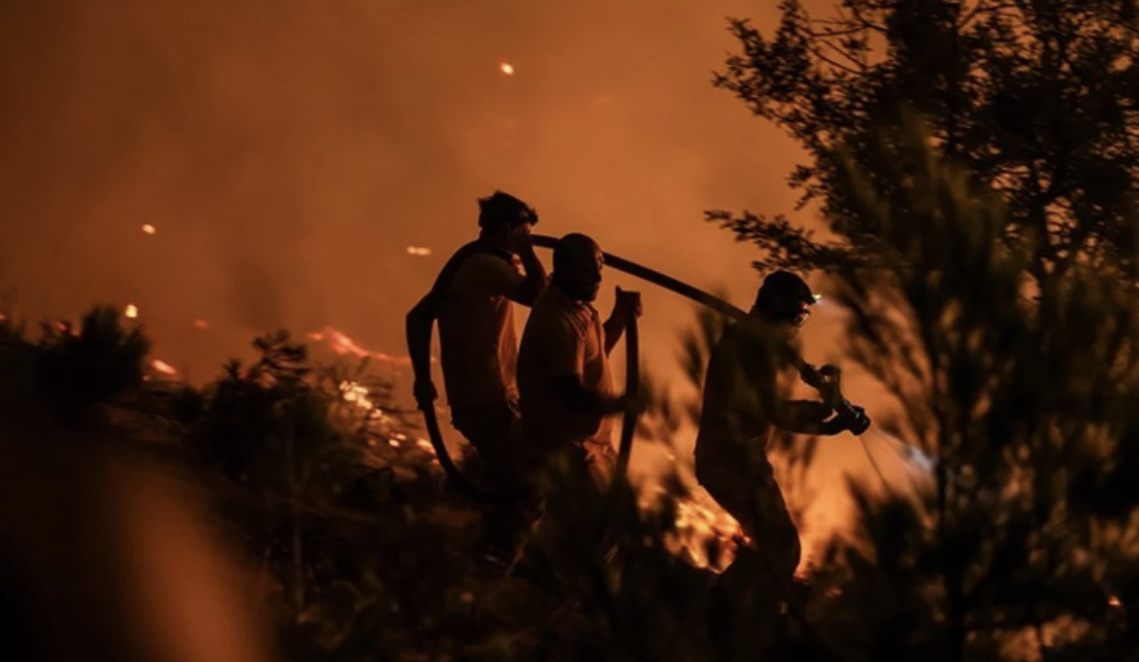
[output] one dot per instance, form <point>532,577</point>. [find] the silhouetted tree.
<point>1038,101</point>
<point>1027,410</point>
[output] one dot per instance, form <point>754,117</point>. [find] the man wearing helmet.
<point>742,403</point>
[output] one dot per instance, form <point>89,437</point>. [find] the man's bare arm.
<point>536,277</point>
<point>614,328</point>
<point>418,329</point>
<point>626,306</point>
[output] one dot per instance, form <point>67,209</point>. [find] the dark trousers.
<point>756,502</point>
<point>748,596</point>
<point>493,430</point>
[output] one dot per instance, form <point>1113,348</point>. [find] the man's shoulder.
<point>749,347</point>
<point>553,308</point>
<point>482,270</point>
<point>484,261</point>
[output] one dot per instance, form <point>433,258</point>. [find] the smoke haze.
<point>289,153</point>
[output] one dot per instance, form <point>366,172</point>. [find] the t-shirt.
<point>748,372</point>
<point>477,344</point>
<point>563,337</point>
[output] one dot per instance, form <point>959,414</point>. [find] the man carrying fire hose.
<point>472,298</point>
<point>742,402</point>
<point>566,392</point>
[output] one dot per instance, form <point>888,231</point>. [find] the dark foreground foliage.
<point>355,544</point>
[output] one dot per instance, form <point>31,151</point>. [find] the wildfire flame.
<point>506,68</point>
<point>163,367</point>
<point>419,251</point>
<point>342,344</point>
<point>356,394</point>
<point>696,525</point>
<point>131,311</point>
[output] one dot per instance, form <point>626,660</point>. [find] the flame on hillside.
<point>163,367</point>
<point>344,345</point>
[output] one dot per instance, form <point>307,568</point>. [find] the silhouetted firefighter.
<point>472,299</point>
<point>567,393</point>
<point>742,401</point>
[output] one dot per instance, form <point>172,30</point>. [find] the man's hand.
<point>425,394</point>
<point>628,304</point>
<point>855,420</point>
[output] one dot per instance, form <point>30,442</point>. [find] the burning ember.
<point>1115,601</point>
<point>696,525</point>
<point>149,229</point>
<point>131,311</point>
<point>342,344</point>
<point>163,367</point>
<point>357,395</point>
<point>506,68</point>
<point>418,251</point>
<point>201,324</point>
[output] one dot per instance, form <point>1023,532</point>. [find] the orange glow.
<point>506,68</point>
<point>201,324</point>
<point>358,395</point>
<point>163,367</point>
<point>131,311</point>
<point>149,229</point>
<point>696,525</point>
<point>1114,602</point>
<point>418,251</point>
<point>342,344</point>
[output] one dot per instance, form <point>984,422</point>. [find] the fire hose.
<point>825,381</point>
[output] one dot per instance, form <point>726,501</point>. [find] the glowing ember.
<point>3,317</point>
<point>1114,601</point>
<point>201,324</point>
<point>149,229</point>
<point>394,443</point>
<point>356,394</point>
<point>506,68</point>
<point>342,344</point>
<point>696,525</point>
<point>419,251</point>
<point>131,311</point>
<point>425,445</point>
<point>163,367</point>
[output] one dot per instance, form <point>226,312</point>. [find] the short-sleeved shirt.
<point>563,337</point>
<point>477,343</point>
<point>748,372</point>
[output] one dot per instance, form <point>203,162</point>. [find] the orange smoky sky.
<point>309,165</point>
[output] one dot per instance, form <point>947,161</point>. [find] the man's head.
<point>577,267</point>
<point>502,216</point>
<point>785,299</point>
